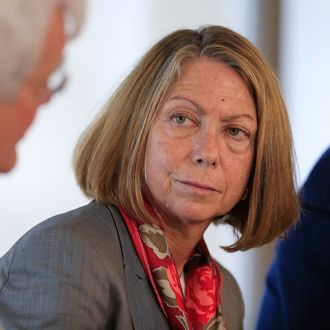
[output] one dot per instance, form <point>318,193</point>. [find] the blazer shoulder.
<point>66,267</point>
<point>86,221</point>
<point>88,231</point>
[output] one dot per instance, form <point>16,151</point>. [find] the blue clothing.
<point>297,294</point>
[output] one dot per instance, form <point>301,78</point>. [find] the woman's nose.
<point>206,150</point>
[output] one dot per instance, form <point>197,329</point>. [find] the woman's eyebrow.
<point>232,117</point>
<point>182,98</point>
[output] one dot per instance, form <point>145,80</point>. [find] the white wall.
<point>305,76</point>
<point>115,35</point>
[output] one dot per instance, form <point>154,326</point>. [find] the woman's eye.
<point>179,119</point>
<point>237,133</point>
<point>234,131</point>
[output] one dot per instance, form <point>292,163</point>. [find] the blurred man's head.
<point>33,35</point>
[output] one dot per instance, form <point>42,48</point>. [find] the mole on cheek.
<point>222,100</point>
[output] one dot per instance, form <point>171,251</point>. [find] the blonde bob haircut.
<point>109,159</point>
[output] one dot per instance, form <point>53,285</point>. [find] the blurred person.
<point>197,132</point>
<point>33,34</point>
<point>297,286</point>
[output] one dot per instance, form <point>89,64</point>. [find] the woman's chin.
<point>192,215</point>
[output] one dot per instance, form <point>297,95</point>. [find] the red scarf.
<point>200,307</point>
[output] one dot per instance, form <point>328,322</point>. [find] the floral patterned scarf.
<point>200,306</point>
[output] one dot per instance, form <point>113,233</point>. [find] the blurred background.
<point>292,34</point>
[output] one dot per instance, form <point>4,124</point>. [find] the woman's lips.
<point>198,186</point>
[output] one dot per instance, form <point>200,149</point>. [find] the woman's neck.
<point>182,241</point>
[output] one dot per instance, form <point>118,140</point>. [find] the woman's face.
<point>201,144</point>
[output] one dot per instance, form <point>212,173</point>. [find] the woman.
<point>197,132</point>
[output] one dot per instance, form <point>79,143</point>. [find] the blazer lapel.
<point>145,310</point>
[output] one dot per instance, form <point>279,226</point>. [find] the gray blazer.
<point>79,270</point>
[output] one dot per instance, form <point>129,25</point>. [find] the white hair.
<point>23,25</point>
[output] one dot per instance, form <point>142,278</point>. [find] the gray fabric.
<point>79,270</point>
<point>232,306</point>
